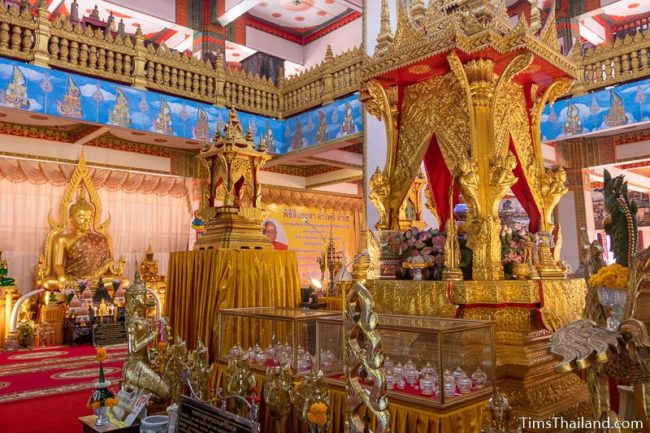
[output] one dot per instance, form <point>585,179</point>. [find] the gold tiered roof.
<point>468,26</point>
<point>233,139</point>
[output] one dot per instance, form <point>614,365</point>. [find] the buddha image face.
<point>270,231</point>
<point>81,220</point>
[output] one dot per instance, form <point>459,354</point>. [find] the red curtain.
<point>521,190</point>
<point>439,178</point>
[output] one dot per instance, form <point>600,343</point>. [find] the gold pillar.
<point>7,295</point>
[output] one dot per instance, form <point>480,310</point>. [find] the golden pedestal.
<point>526,313</point>
<point>8,296</point>
<point>233,227</point>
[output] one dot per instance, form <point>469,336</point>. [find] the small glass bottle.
<point>479,378</point>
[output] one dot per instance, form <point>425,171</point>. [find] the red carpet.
<point>45,390</point>
<point>53,414</point>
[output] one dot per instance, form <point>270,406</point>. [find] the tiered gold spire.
<point>535,17</point>
<point>233,162</point>
<point>418,12</point>
<point>385,37</point>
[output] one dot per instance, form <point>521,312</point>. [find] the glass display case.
<point>266,334</point>
<point>432,361</point>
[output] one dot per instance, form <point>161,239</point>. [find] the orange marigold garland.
<point>317,414</point>
<point>613,276</point>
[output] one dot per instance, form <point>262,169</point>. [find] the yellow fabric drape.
<point>404,418</point>
<point>200,283</point>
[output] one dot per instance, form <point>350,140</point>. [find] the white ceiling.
<point>305,15</point>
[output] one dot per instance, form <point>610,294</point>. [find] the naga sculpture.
<point>625,353</point>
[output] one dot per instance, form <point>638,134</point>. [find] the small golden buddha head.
<point>149,254</point>
<point>81,214</point>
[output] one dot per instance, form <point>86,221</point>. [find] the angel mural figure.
<point>617,115</point>
<point>573,125</point>
<point>348,127</point>
<point>16,93</point>
<point>297,142</point>
<point>163,123</point>
<point>201,130</point>
<point>120,114</point>
<point>71,104</point>
<point>321,135</point>
<point>269,140</point>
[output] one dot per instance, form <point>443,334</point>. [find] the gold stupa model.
<point>233,162</point>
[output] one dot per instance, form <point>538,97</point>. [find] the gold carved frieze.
<point>564,302</point>
<point>416,298</point>
<point>495,292</point>
<point>437,106</point>
<point>449,39</point>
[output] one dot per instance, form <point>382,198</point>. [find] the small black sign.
<point>197,417</point>
<point>105,334</point>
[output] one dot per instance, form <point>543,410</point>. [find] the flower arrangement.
<point>427,247</point>
<point>25,333</point>
<point>102,397</point>
<point>514,242</point>
<point>317,414</point>
<point>422,246</point>
<point>613,276</point>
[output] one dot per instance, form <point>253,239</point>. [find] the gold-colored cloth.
<point>86,255</point>
<point>404,417</point>
<point>202,282</point>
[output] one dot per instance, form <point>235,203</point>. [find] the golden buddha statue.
<point>102,309</point>
<point>83,251</point>
<point>136,373</point>
<point>149,268</point>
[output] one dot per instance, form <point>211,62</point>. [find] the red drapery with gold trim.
<point>522,192</point>
<point>439,178</point>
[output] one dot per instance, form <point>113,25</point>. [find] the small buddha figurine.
<point>101,293</point>
<point>74,11</point>
<point>149,268</point>
<point>103,309</point>
<point>120,28</point>
<point>110,22</point>
<point>95,14</point>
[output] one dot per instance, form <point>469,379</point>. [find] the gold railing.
<point>333,78</point>
<point>16,33</point>
<point>621,60</point>
<point>133,61</point>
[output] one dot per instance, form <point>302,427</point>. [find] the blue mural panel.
<point>620,105</point>
<point>59,93</point>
